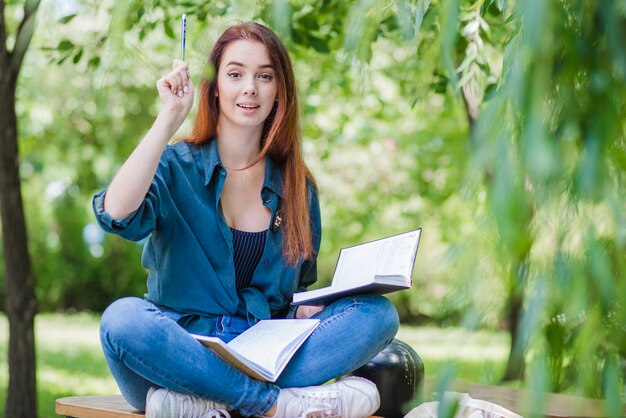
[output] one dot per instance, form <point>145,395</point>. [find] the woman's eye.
<point>266,77</point>
<point>234,75</point>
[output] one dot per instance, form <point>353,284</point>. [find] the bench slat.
<point>525,402</point>
<point>96,407</point>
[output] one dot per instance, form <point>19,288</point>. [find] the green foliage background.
<point>522,201</point>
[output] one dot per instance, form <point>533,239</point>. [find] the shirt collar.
<point>211,159</point>
<point>273,177</point>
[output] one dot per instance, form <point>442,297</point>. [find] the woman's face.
<point>246,85</point>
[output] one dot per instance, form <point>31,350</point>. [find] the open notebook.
<point>381,266</point>
<point>263,350</point>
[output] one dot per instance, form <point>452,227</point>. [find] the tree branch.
<point>24,34</point>
<point>471,106</point>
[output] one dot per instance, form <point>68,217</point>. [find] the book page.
<point>220,348</point>
<point>397,255</point>
<point>356,265</point>
<point>268,340</point>
<point>392,256</point>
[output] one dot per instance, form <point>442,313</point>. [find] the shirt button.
<point>266,262</point>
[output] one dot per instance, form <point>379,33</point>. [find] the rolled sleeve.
<point>105,220</point>
<point>140,223</point>
<point>133,227</point>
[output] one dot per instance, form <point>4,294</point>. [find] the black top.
<point>248,250</point>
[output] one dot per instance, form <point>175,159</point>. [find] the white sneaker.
<point>350,397</point>
<point>165,403</point>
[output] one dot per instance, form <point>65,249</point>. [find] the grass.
<point>70,361</point>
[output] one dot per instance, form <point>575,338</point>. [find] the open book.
<point>263,350</point>
<point>380,266</point>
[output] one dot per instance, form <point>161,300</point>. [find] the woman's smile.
<point>246,85</point>
<point>248,108</point>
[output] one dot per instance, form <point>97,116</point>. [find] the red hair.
<point>280,140</point>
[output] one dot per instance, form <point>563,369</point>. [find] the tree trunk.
<point>515,365</point>
<point>21,303</point>
<point>20,282</point>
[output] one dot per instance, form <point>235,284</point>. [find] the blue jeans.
<point>146,346</point>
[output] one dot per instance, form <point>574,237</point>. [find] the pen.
<point>183,36</point>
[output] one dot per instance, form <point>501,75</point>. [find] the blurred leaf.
<point>420,11</point>
<point>403,16</point>
<point>611,384</point>
<point>361,29</point>
<point>600,269</point>
<point>67,18</point>
<point>169,32</point>
<point>65,45</point>
<point>448,20</point>
<point>77,56</point>
<point>281,18</point>
<point>94,62</point>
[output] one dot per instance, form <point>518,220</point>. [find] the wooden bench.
<point>521,401</point>
<point>528,403</point>
<point>96,407</point>
<point>100,407</point>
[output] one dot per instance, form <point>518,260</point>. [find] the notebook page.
<point>264,343</point>
<point>397,254</point>
<point>356,264</point>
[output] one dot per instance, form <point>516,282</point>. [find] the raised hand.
<point>176,89</point>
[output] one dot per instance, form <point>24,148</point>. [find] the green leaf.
<point>420,11</point>
<point>168,29</point>
<point>318,44</point>
<point>449,18</point>
<point>77,56</point>
<point>611,385</point>
<point>309,22</point>
<point>281,18</point>
<point>65,45</point>
<point>353,32</point>
<point>93,62</point>
<point>403,16</point>
<point>66,19</point>
<point>511,18</point>
<point>62,59</point>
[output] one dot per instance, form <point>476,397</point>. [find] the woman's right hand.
<point>176,90</point>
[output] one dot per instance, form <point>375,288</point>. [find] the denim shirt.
<point>189,250</point>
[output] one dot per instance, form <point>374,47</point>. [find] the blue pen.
<point>183,37</point>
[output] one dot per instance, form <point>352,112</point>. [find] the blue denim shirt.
<point>189,250</point>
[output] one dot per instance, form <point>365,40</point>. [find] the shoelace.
<point>321,402</point>
<point>192,407</point>
<point>320,411</point>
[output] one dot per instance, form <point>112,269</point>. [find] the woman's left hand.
<point>307,311</point>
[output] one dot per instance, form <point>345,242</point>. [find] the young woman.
<point>233,225</point>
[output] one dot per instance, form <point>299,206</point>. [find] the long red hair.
<point>280,140</point>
